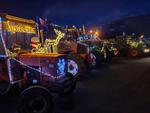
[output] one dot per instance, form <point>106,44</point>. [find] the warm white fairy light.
<point>49,44</point>
<point>11,56</point>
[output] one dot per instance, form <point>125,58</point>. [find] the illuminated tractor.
<point>80,58</point>
<point>99,51</point>
<point>55,40</point>
<point>132,46</point>
<point>38,75</point>
<point>137,46</point>
<point>105,53</point>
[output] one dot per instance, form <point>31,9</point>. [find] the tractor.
<point>37,75</point>
<point>78,51</point>
<point>79,58</point>
<point>100,48</point>
<point>132,46</point>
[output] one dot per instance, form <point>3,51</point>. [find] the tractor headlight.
<point>146,50</point>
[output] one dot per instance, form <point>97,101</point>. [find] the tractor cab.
<point>26,63</point>
<point>15,37</point>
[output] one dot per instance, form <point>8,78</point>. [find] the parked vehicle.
<point>36,74</point>
<point>132,46</point>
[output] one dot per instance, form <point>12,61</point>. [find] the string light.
<point>18,27</point>
<point>9,17</point>
<point>11,57</point>
<point>50,46</point>
<point>34,69</point>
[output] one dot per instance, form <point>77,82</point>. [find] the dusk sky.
<point>76,11</point>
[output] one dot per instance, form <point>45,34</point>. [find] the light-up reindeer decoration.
<point>50,46</point>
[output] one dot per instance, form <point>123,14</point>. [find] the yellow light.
<point>13,18</point>
<point>97,33</point>
<point>50,46</point>
<point>18,27</point>
<point>54,43</point>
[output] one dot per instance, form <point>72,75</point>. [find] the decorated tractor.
<point>81,51</point>
<point>80,59</point>
<point>53,40</point>
<point>101,49</point>
<point>132,46</point>
<point>36,74</point>
<point>138,47</point>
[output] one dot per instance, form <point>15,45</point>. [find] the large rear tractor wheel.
<point>133,53</point>
<point>70,85</point>
<point>35,99</point>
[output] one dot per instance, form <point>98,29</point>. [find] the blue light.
<point>61,67</point>
<point>3,56</point>
<point>73,67</point>
<point>5,33</point>
<point>34,81</point>
<point>10,33</point>
<point>0,19</point>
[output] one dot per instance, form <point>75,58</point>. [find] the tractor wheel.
<point>71,87</point>
<point>35,99</point>
<point>133,53</point>
<point>76,65</point>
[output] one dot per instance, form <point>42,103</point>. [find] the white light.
<point>146,50</point>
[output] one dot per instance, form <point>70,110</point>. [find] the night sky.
<point>76,11</point>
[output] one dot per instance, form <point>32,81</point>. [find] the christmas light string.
<point>11,56</point>
<point>34,69</point>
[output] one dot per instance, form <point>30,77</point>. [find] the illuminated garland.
<point>11,56</point>
<point>34,69</point>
